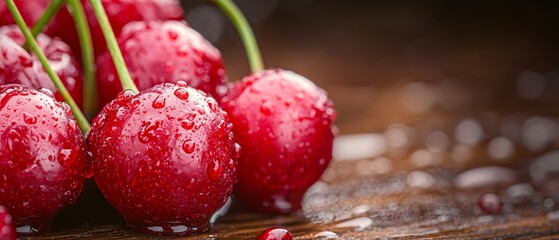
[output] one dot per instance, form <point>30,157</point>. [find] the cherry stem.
<point>45,19</point>
<point>51,10</point>
<point>247,36</point>
<point>88,59</point>
<point>80,118</point>
<point>112,45</point>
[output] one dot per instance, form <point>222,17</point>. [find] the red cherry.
<point>283,123</point>
<point>164,158</point>
<point>62,25</point>
<point>20,67</point>
<point>159,52</point>
<point>121,12</point>
<point>275,234</point>
<point>489,203</point>
<point>42,156</point>
<point>7,230</point>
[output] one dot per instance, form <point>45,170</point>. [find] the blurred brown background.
<point>386,62</point>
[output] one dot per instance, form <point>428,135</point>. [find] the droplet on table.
<point>489,176</point>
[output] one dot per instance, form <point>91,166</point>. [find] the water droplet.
<point>553,216</point>
<point>158,102</point>
<point>120,112</point>
<point>187,125</point>
<point>266,108</point>
<point>501,148</point>
<point>326,235</point>
<point>419,179</point>
<point>46,92</point>
<point>172,35</point>
<point>221,90</point>
<point>418,97</point>
<point>181,93</point>
<point>358,224</point>
<point>66,157</point>
<point>188,146</point>
<point>237,150</point>
<point>437,141</point>
<point>147,131</point>
<point>212,105</point>
<point>485,177</point>
<point>358,146</point>
<point>182,50</point>
<point>399,136</point>
<point>127,93</point>
<point>181,83</point>
<point>545,166</point>
<point>538,132</point>
<point>29,119</point>
<point>214,169</point>
<point>361,209</point>
<point>469,132</point>
<point>519,191</point>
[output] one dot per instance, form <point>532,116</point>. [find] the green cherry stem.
<point>247,36</point>
<point>80,118</point>
<point>112,45</point>
<point>47,16</point>
<point>88,59</point>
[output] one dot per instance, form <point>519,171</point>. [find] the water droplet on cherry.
<point>266,108</point>
<point>188,146</point>
<point>181,93</point>
<point>158,102</point>
<point>29,118</point>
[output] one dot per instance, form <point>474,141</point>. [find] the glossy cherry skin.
<point>17,66</point>
<point>122,12</point>
<point>42,156</point>
<point>62,25</point>
<point>119,12</point>
<point>275,234</point>
<point>7,229</point>
<point>283,123</point>
<point>159,52</point>
<point>164,158</point>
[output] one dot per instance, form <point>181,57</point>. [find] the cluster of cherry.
<point>169,150</point>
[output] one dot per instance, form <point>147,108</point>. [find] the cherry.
<point>158,52</point>
<point>42,156</point>
<point>275,234</point>
<point>164,158</point>
<point>61,25</point>
<point>489,203</point>
<point>283,123</point>
<point>20,67</point>
<point>7,230</point>
<point>121,12</point>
